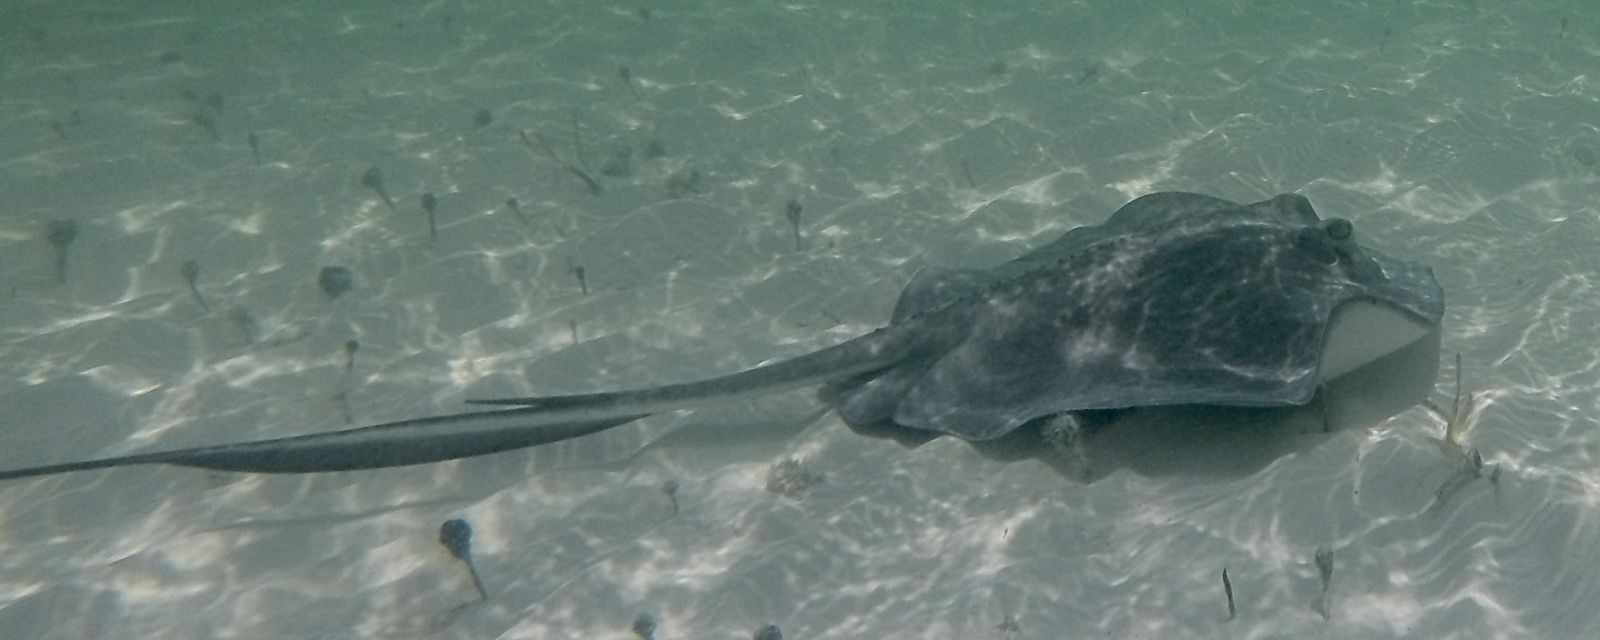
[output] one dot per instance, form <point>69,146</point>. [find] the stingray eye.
<point>1339,228</point>
<point>1315,241</point>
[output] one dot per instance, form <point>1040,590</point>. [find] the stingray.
<point>1177,299</point>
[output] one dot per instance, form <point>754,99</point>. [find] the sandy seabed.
<point>1461,135</point>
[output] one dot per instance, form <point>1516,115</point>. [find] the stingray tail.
<point>392,444</point>
<point>86,465</point>
<point>535,422</point>
<point>871,352</point>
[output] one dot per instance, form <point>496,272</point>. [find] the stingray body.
<point>1178,299</point>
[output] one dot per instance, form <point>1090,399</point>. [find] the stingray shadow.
<point>1206,442</point>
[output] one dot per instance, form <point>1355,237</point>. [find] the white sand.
<point>1463,136</point>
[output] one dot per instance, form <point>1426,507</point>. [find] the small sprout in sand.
<point>482,118</point>
<point>654,148</point>
<point>342,397</point>
<point>61,234</point>
<point>1090,72</point>
<point>582,276</point>
<point>1227,589</point>
<point>792,212</point>
<point>670,487</point>
<point>429,205</point>
<point>335,281</point>
<point>372,179</point>
<point>1009,627</point>
<point>619,164</point>
<point>75,118</point>
<point>1471,467</point>
<point>350,348</point>
<point>537,143</point>
<point>577,139</point>
<point>205,121</point>
<point>791,478</point>
<point>685,182</point>
<point>456,536</point>
<point>626,76</point>
<point>1585,155</point>
<point>191,274</point>
<point>767,632</point>
<point>249,328</point>
<point>516,207</point>
<point>1324,561</point>
<point>644,626</point>
<point>1459,420</point>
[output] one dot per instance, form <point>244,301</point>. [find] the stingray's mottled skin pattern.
<point>1177,298</point>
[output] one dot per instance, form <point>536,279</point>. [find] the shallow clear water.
<point>1462,134</point>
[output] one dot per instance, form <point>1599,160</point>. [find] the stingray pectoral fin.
<point>875,351</point>
<point>1360,332</point>
<point>393,444</point>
